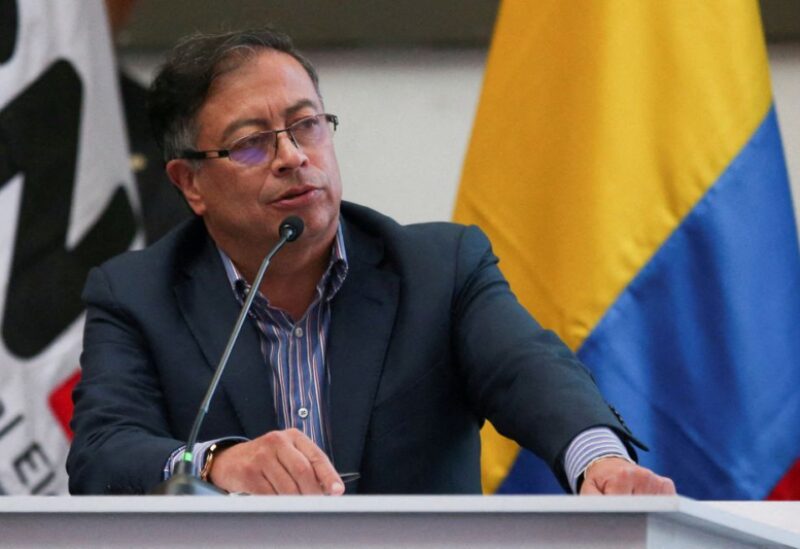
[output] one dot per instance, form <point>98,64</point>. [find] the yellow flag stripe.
<point>587,109</point>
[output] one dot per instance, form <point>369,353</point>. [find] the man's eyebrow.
<point>299,106</point>
<point>233,126</point>
<point>263,123</point>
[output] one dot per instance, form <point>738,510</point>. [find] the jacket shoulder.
<point>166,254</point>
<point>152,270</point>
<point>416,238</point>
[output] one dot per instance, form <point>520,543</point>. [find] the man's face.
<point>245,204</point>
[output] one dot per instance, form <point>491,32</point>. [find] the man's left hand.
<point>617,476</point>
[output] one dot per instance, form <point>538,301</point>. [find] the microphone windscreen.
<point>291,228</point>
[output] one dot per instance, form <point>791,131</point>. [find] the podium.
<point>387,521</point>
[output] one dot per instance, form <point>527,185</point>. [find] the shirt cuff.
<point>198,454</point>
<point>588,446</point>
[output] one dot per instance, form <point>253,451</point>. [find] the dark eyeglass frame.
<point>190,154</point>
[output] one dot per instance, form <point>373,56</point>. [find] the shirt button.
<point>303,413</point>
<point>298,332</point>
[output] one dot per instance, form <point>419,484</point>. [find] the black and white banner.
<point>67,202</point>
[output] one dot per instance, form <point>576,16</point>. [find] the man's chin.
<point>318,226</point>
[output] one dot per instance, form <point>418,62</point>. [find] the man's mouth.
<point>296,196</point>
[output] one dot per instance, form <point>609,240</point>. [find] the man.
<point>372,347</point>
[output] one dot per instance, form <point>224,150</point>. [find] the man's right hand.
<point>279,462</point>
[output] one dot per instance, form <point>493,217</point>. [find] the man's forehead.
<point>276,75</point>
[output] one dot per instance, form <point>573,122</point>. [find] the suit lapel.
<point>210,309</point>
<point>362,317</point>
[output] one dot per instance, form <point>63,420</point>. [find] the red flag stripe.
<point>789,486</point>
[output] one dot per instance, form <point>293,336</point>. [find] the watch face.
<point>207,465</point>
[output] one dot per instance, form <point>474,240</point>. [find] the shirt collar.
<point>327,287</point>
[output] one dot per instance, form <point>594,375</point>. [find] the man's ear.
<point>183,176</point>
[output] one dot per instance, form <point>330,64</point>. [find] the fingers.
<point>590,489</point>
<point>281,481</point>
<point>279,462</point>
<point>615,476</point>
<point>324,473</point>
<point>666,487</point>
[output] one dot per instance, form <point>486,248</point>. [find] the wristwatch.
<point>210,455</point>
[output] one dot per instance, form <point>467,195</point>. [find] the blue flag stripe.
<point>701,353</point>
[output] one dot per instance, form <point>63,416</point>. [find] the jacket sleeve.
<point>121,435</point>
<point>519,376</point>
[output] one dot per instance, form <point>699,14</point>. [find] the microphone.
<point>291,228</point>
<point>184,480</point>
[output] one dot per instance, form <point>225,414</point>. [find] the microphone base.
<point>186,485</point>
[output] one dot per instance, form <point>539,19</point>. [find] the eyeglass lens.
<point>258,148</point>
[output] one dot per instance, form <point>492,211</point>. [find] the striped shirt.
<point>587,447</point>
<point>294,350</point>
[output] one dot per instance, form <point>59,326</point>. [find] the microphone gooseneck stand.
<point>184,480</point>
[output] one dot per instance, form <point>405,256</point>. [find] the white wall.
<point>406,118</point>
<point>784,60</point>
<point>406,122</point>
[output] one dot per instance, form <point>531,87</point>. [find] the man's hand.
<point>617,476</point>
<point>279,462</point>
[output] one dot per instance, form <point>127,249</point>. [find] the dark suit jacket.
<point>426,341</point>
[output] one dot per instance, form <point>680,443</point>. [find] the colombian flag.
<point>627,165</point>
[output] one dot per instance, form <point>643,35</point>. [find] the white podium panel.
<point>380,521</point>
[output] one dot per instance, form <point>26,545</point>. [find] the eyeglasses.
<point>261,147</point>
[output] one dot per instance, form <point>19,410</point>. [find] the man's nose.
<point>289,155</point>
